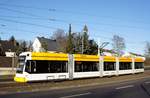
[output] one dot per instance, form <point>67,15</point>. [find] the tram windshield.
<point>21,64</point>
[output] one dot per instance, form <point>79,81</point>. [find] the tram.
<point>43,66</point>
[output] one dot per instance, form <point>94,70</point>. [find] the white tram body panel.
<point>121,72</point>
<point>47,76</point>
<point>86,74</point>
<point>54,66</point>
<point>138,70</point>
<point>110,73</point>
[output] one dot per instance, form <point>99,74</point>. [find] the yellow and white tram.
<point>37,66</point>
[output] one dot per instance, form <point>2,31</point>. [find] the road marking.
<point>122,87</point>
<point>76,95</point>
<point>148,82</point>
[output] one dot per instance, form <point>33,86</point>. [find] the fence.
<point>8,65</point>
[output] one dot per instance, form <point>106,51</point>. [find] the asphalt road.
<point>130,89</point>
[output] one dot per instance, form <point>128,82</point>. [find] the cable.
<point>18,11</point>
<point>64,11</point>
<point>14,21</point>
<point>54,20</point>
<point>59,20</point>
<point>22,30</point>
<point>26,23</point>
<point>29,7</point>
<point>35,18</point>
<point>22,17</point>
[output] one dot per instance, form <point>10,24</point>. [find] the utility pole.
<point>98,47</point>
<point>83,40</point>
<point>82,43</point>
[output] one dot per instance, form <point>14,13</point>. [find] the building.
<point>44,44</point>
<point>7,46</point>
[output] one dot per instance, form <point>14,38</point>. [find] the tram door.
<point>31,69</point>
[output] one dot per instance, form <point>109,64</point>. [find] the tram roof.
<point>83,57</point>
<point>79,57</point>
<point>49,56</point>
<point>139,59</point>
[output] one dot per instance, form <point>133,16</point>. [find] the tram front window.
<point>21,64</point>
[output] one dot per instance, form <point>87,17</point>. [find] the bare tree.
<point>30,46</point>
<point>59,33</point>
<point>118,44</point>
<point>61,39</point>
<point>77,41</point>
<point>147,50</point>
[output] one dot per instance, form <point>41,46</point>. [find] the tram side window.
<point>58,67</point>
<point>41,66</point>
<point>125,65</point>
<point>86,66</point>
<point>46,67</point>
<point>139,65</point>
<point>109,66</point>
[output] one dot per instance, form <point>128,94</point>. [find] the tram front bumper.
<point>20,79</point>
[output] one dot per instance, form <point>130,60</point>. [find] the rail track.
<point>11,86</point>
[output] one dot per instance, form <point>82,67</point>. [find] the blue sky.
<point>26,19</point>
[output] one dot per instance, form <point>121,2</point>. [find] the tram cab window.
<point>86,66</point>
<point>21,63</point>
<point>139,65</point>
<point>109,66</point>
<point>125,65</point>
